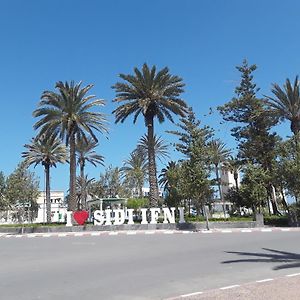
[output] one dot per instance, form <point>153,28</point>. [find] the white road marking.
<point>149,232</point>
<point>185,231</point>
<point>229,287</point>
<point>31,235</point>
<point>19,236</point>
<point>292,275</point>
<point>285,229</point>
<point>246,230</point>
<point>79,234</point>
<point>62,234</point>
<point>191,294</point>
<point>46,235</point>
<point>226,231</point>
<point>113,233</point>
<point>8,236</point>
<point>168,232</point>
<point>264,280</point>
<point>95,233</point>
<point>206,231</point>
<point>266,230</point>
<point>131,233</point>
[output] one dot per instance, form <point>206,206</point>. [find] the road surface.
<point>142,266</point>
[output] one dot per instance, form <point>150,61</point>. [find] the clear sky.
<point>42,42</point>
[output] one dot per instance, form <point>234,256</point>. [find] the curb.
<point>149,232</point>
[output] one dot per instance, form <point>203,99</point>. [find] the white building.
<point>58,208</point>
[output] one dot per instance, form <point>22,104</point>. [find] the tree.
<point>134,171</point>
<point>112,185</point>
<point>153,95</point>
<point>218,155</point>
<point>47,151</point>
<point>4,204</point>
<point>234,166</point>
<point>84,188</point>
<point>171,179</point>
<point>193,143</point>
<point>253,119</point>
<point>85,149</point>
<point>70,113</point>
<point>286,103</point>
<point>22,191</point>
<point>253,188</point>
<point>160,147</point>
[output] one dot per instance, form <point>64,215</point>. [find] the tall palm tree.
<point>47,151</point>
<point>134,170</point>
<point>164,176</point>
<point>287,103</point>
<point>70,113</point>
<point>218,154</point>
<point>151,94</point>
<point>233,165</point>
<point>86,153</point>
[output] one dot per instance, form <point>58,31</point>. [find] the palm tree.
<point>151,94</point>
<point>47,151</point>
<point>84,187</point>
<point>70,113</point>
<point>233,165</point>
<point>164,176</point>
<point>218,154</point>
<point>287,103</point>
<point>160,147</point>
<point>135,169</point>
<point>86,153</point>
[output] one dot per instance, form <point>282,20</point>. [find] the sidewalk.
<point>283,288</point>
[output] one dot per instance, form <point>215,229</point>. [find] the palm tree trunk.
<point>82,199</point>
<point>236,176</point>
<point>153,193</point>
<point>72,200</point>
<point>48,197</point>
<point>220,190</point>
<point>82,169</point>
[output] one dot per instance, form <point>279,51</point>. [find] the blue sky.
<point>202,41</point>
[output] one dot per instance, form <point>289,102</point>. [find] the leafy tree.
<point>253,188</point>
<point>193,143</point>
<point>70,113</point>
<point>134,171</point>
<point>47,151</point>
<point>112,185</point>
<point>153,95</point>
<point>22,191</point>
<point>4,204</point>
<point>218,154</point>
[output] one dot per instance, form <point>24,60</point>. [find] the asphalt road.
<point>154,266</point>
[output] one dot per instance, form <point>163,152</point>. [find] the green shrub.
<point>278,221</point>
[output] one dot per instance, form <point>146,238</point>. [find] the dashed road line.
<point>264,280</point>
<point>191,294</point>
<point>293,275</point>
<point>266,230</point>
<point>113,233</point>
<point>131,232</point>
<point>229,287</point>
<point>246,230</point>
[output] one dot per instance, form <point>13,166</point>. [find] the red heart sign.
<point>80,216</point>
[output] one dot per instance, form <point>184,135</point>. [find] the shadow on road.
<point>288,259</point>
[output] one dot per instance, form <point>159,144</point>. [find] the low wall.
<point>184,226</point>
